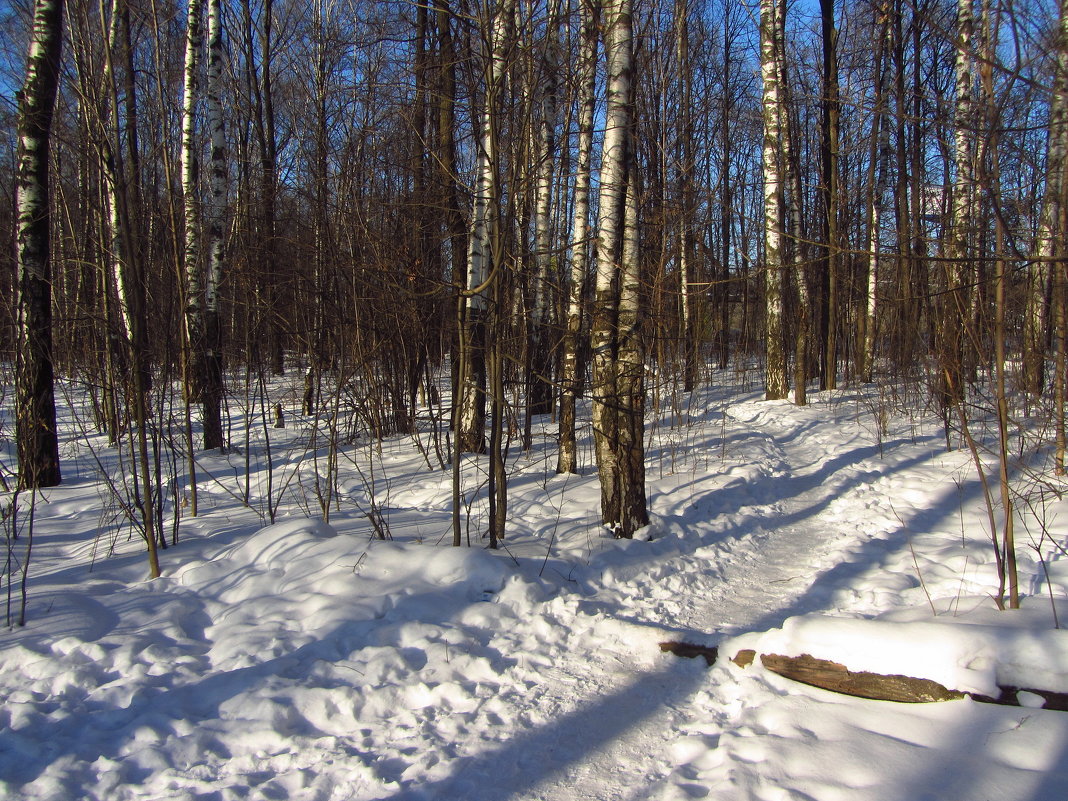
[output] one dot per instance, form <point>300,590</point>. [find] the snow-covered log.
<point>909,662</point>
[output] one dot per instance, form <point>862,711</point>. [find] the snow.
<point>305,659</point>
<point>972,658</point>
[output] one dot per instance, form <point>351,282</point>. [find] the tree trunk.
<point>35,426</point>
<point>771,35</point>
<point>471,411</point>
<point>618,368</point>
<point>1049,242</point>
<point>830,189</point>
<point>571,371</point>
<point>212,379</point>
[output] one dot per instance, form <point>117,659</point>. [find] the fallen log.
<point>832,676</point>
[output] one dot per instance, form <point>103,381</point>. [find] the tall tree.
<point>964,210</point>
<point>580,249</point>
<point>1049,243</point>
<point>1052,226</point>
<point>35,426</point>
<point>471,404</point>
<point>618,390</point>
<point>201,287</point>
<point>830,188</point>
<point>772,25</point>
<point>212,378</point>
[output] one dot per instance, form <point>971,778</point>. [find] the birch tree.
<point>963,209</point>
<point>618,365</point>
<point>212,378</point>
<point>877,146</point>
<point>35,424</point>
<point>471,404</point>
<point>199,291</point>
<point>1049,242</point>
<point>547,71</point>
<point>830,188</point>
<point>771,36</point>
<point>570,370</point>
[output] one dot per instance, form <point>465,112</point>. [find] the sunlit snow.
<point>308,660</point>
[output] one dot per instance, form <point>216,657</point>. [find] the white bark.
<point>618,401</point>
<point>483,211</point>
<point>497,16</point>
<point>1049,238</point>
<point>579,233</point>
<point>216,127</point>
<point>771,33</point>
<point>194,285</point>
<point>35,424</point>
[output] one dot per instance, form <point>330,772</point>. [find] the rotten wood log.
<point>827,675</point>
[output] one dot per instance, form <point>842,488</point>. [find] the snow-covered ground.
<point>308,660</point>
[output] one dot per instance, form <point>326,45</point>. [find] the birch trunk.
<point>204,389</point>
<point>793,209</point>
<point>540,385</point>
<point>35,425</point>
<point>1050,243</point>
<point>829,167</point>
<point>771,35</point>
<point>570,372</point>
<point>1050,236</point>
<point>688,324</point>
<point>211,400</point>
<point>877,147</point>
<point>963,211</point>
<point>471,411</point>
<point>618,370</point>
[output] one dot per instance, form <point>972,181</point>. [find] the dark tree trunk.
<point>38,445</point>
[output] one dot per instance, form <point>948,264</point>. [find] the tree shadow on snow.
<point>97,730</point>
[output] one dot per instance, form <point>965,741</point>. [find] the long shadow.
<point>769,490</point>
<point>869,554</point>
<point>26,752</point>
<point>546,752</point>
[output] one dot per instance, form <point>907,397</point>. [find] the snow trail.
<point>303,661</point>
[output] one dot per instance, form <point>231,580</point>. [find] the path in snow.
<point>774,543</point>
<point>279,662</point>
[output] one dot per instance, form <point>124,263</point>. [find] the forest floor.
<point>309,660</point>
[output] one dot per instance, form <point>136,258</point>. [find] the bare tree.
<point>618,389</point>
<point>772,26</point>
<point>571,371</point>
<point>38,444</point>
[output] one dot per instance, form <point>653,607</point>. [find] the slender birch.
<point>546,92</point>
<point>685,138</point>
<point>35,423</point>
<point>192,271</point>
<point>771,35</point>
<point>829,136</point>
<point>212,387</point>
<point>471,404</point>
<point>618,369</point>
<point>1049,242</point>
<point>875,178</point>
<point>587,72</point>
<point>963,209</point>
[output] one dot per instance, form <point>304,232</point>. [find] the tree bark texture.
<point>771,35</point>
<point>35,426</point>
<point>618,390</point>
<point>570,369</point>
